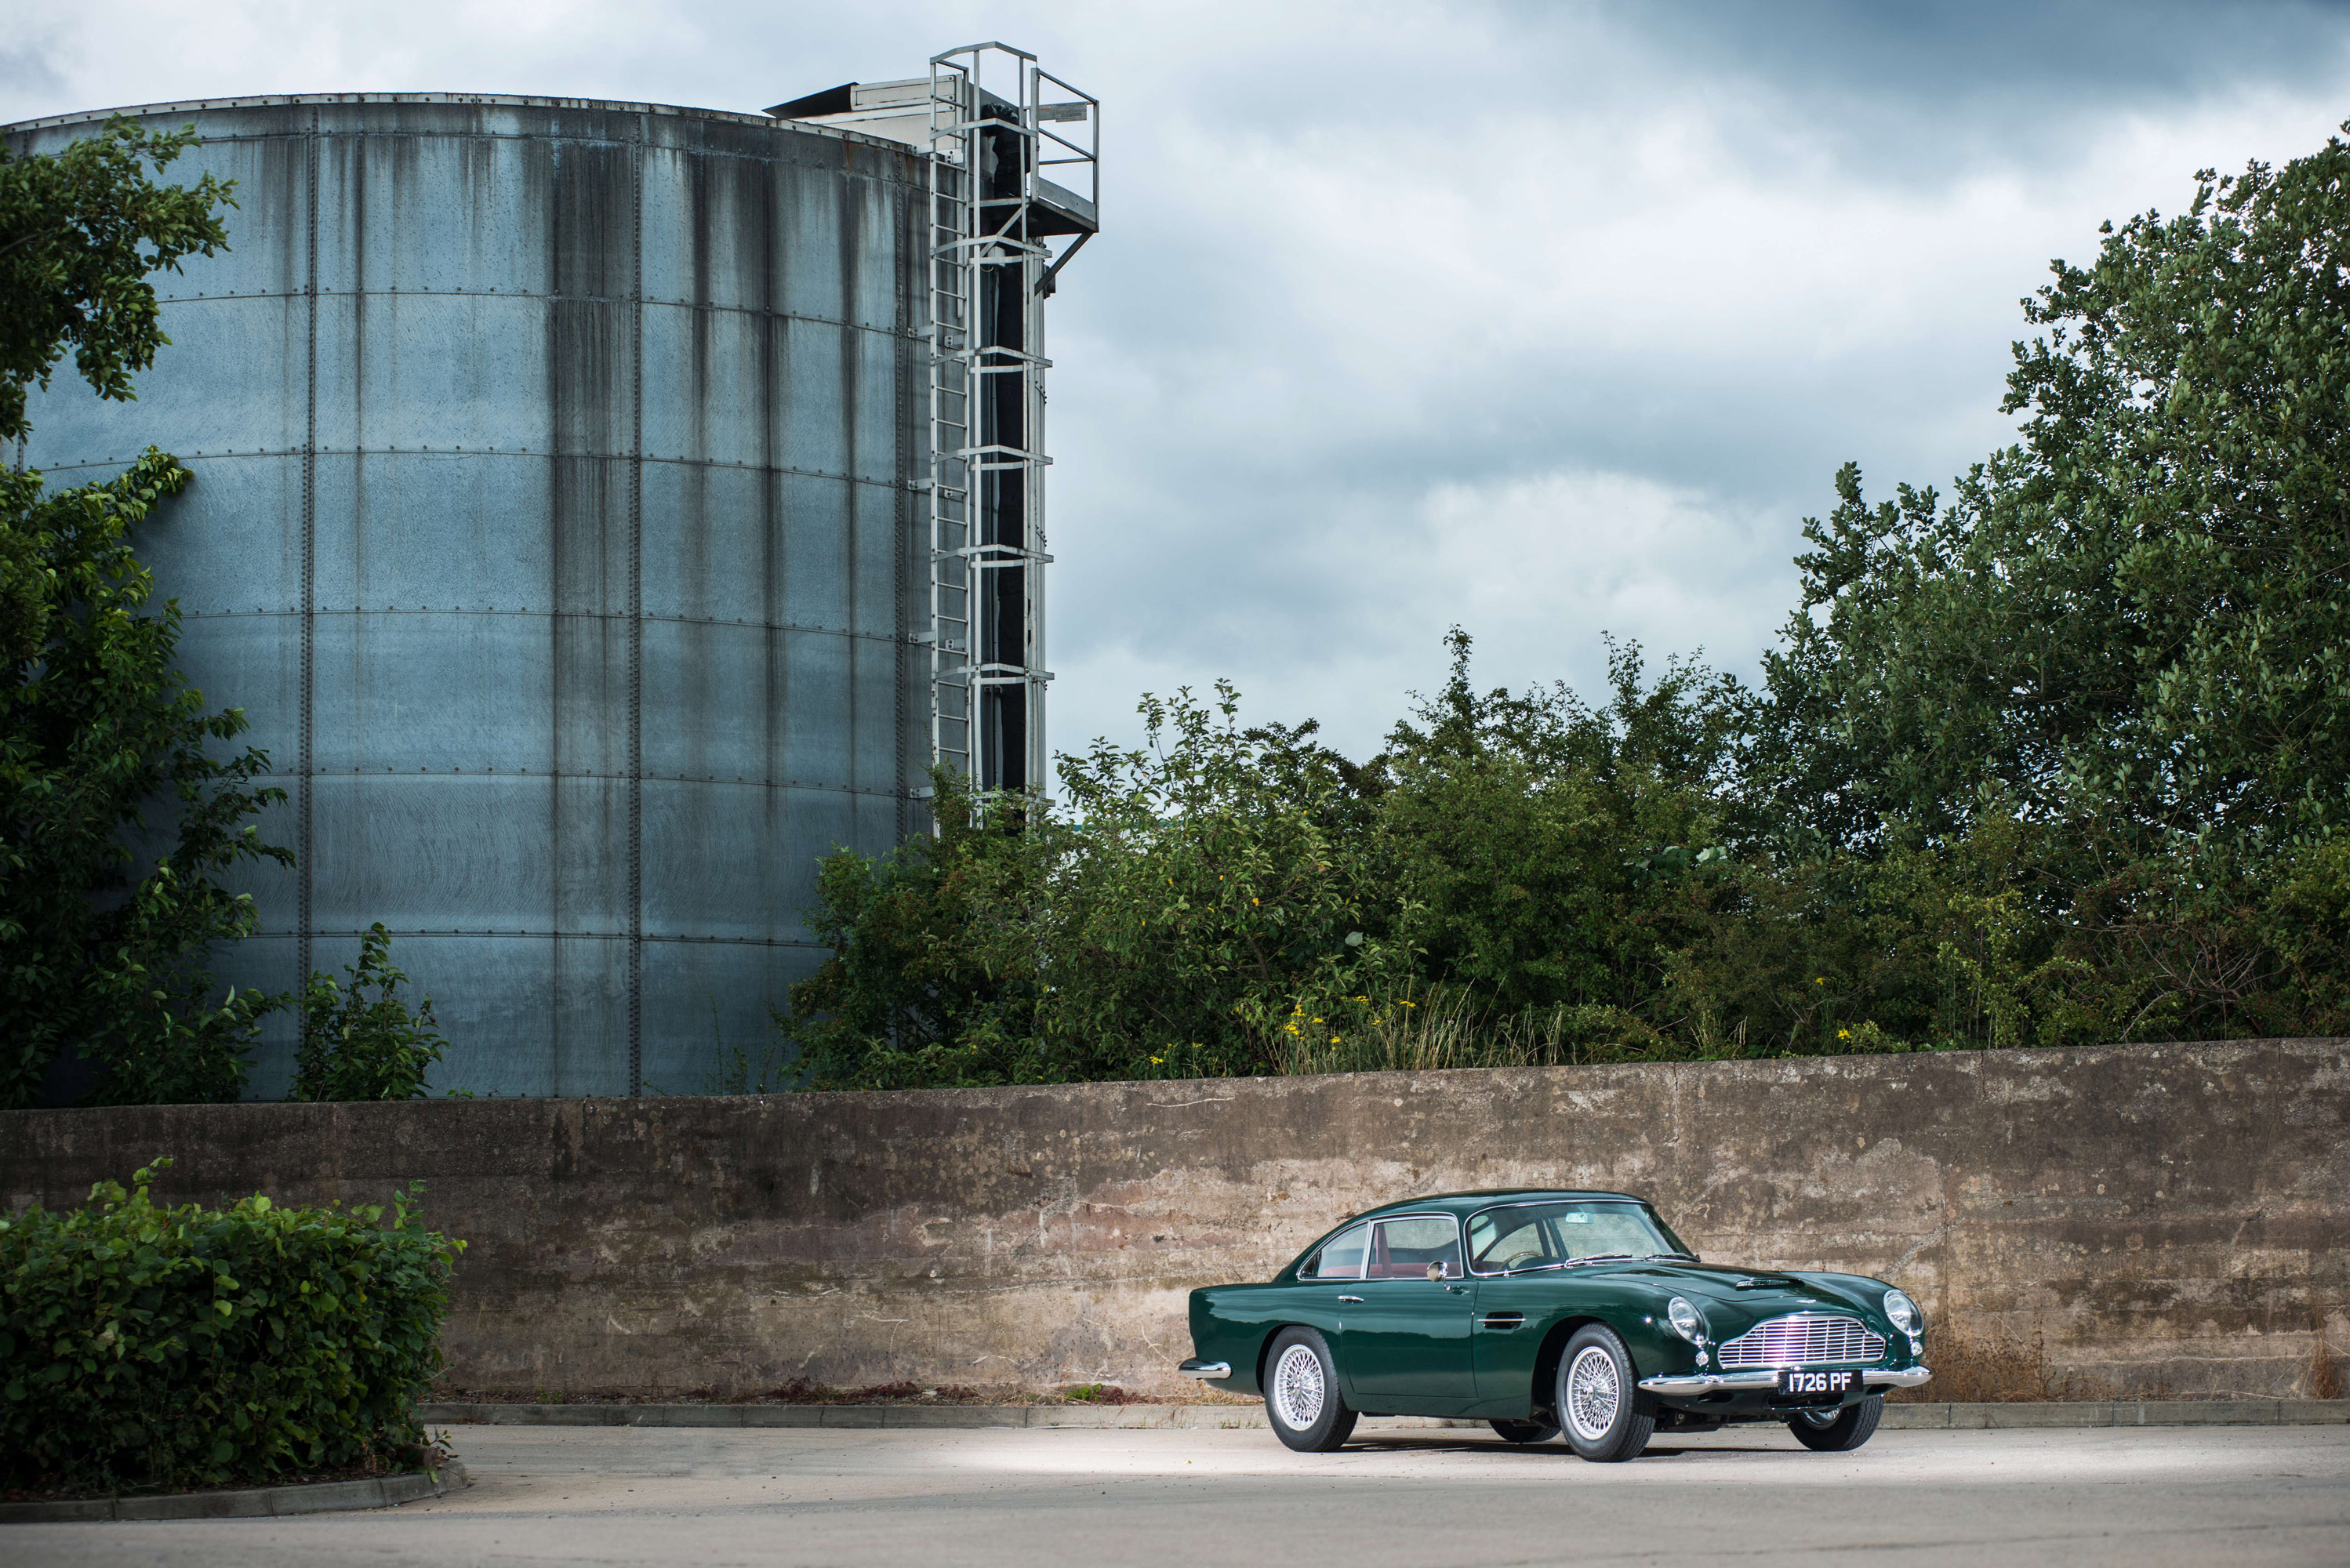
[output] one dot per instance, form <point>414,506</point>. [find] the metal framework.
<point>995,120</point>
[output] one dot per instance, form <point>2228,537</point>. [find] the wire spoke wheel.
<point>1594,1393</point>
<point>1298,1387</point>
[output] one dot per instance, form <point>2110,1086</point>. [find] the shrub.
<point>357,1047</point>
<point>152,1346</point>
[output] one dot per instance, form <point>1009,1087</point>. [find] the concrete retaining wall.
<point>2164,1220</point>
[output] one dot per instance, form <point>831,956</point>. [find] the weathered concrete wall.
<point>2173,1219</point>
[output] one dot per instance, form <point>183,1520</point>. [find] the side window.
<point>1506,1238</point>
<point>1403,1249</point>
<point>1341,1257</point>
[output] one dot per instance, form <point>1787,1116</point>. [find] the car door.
<point>1405,1342</point>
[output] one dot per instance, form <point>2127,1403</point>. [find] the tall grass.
<point>1450,1028</point>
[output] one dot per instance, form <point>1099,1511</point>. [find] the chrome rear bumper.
<point>1682,1385</point>
<point>1195,1367</point>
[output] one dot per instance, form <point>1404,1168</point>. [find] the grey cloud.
<point>26,73</point>
<point>1544,319</point>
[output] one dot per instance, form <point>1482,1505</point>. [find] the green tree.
<point>1220,902</point>
<point>931,981</point>
<point>2136,619</point>
<point>81,230</point>
<point>1199,904</point>
<point>1542,846</point>
<point>102,745</point>
<point>355,1046</point>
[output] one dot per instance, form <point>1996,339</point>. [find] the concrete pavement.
<point>1404,1496</point>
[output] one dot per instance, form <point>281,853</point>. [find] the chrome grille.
<point>1803,1340</point>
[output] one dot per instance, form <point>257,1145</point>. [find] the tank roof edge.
<point>512,101</point>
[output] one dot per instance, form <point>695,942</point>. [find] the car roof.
<point>1464,1202</point>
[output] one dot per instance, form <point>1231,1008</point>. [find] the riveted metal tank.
<point>552,523</point>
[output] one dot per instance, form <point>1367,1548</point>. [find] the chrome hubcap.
<point>1594,1393</point>
<point>1297,1391</point>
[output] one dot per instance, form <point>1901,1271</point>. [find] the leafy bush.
<point>358,1047</point>
<point>1232,900</point>
<point>2065,759</point>
<point>152,1346</point>
<point>103,745</point>
<point>103,950</point>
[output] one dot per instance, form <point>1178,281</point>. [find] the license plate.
<point>1818,1381</point>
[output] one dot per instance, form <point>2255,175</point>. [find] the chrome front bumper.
<point>1195,1367</point>
<point>1684,1384</point>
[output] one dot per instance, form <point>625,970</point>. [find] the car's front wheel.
<point>1600,1406</point>
<point>1838,1431</point>
<point>1301,1393</point>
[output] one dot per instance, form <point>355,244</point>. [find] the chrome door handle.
<point>1350,1298</point>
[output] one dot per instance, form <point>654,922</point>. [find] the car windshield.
<point>1554,1235</point>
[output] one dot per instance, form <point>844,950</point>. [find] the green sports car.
<point>1541,1312</point>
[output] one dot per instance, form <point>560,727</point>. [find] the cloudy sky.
<point>1546,319</point>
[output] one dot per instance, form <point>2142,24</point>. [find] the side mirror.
<point>1435,1272</point>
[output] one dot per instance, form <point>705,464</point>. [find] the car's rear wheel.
<point>1301,1393</point>
<point>1838,1431</point>
<point>1525,1431</point>
<point>1605,1416</point>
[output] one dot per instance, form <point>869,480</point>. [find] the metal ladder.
<point>981,249</point>
<point>952,216</point>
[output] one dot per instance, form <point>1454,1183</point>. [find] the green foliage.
<point>1217,892</point>
<point>143,1346</point>
<point>358,1047</point>
<point>926,984</point>
<point>1234,899</point>
<point>80,232</point>
<point>1188,905</point>
<point>2063,758</point>
<point>2134,620</point>
<point>102,947</point>
<point>1541,847</point>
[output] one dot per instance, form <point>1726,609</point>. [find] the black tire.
<point>1302,1401</point>
<point>1525,1431</point>
<point>1587,1393</point>
<point>1853,1425</point>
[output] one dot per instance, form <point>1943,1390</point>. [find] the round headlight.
<point>1903,1311</point>
<point>1686,1320</point>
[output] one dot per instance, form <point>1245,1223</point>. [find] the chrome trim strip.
<point>1195,1367</point>
<point>1708,1382</point>
<point>1898,1377</point>
<point>1682,1385</point>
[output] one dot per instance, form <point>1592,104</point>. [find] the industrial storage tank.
<point>561,521</point>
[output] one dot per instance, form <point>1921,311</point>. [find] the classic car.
<point>1538,1311</point>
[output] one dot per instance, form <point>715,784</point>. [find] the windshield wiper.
<point>1654,1257</point>
<point>1598,1258</point>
